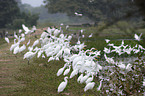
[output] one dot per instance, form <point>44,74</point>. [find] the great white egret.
<point>7,39</point>
<point>35,43</point>
<point>16,49</point>
<point>67,71</point>
<point>29,55</point>
<point>137,37</point>
<point>78,14</point>
<point>60,71</point>
<point>73,73</point>
<point>83,79</point>
<point>99,88</point>
<point>22,48</point>
<point>89,79</point>
<point>79,78</point>
<point>90,85</point>
<point>90,35</point>
<point>62,85</point>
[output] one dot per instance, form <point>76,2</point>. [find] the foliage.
<point>96,10</point>
<point>8,12</point>
<point>12,17</point>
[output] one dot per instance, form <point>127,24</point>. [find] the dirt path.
<point>9,66</point>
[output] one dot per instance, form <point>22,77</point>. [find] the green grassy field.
<point>39,78</point>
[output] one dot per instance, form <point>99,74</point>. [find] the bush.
<point>16,24</point>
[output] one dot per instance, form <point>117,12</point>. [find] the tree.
<point>110,10</point>
<point>8,12</point>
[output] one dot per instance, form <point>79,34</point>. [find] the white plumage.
<point>79,78</point>
<point>22,48</point>
<point>90,35</point>
<point>77,14</point>
<point>89,79</point>
<point>89,86</point>
<point>60,71</point>
<point>27,31</point>
<point>16,50</point>
<point>74,72</point>
<point>35,43</point>
<point>62,85</point>
<point>67,71</point>
<point>83,79</point>
<point>137,37</point>
<point>7,39</point>
<point>29,55</point>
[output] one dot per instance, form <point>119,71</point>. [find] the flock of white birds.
<point>53,44</point>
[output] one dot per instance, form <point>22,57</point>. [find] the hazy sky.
<point>34,3</point>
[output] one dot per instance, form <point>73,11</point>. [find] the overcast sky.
<point>34,3</point>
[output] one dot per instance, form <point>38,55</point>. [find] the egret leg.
<point>28,62</point>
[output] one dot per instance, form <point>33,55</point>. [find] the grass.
<point>39,78</point>
<point>9,66</point>
<point>42,80</point>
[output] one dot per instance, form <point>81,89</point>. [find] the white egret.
<point>73,73</point>
<point>78,14</point>
<point>67,26</point>
<point>27,31</point>
<point>66,51</point>
<point>60,71</point>
<point>16,50</point>
<point>107,40</point>
<point>90,35</point>
<point>99,88</point>
<point>20,31</point>
<point>62,85</point>
<point>22,48</point>
<point>67,71</point>
<point>56,32</point>
<point>15,35</point>
<point>89,79</point>
<point>83,79</point>
<point>51,58</point>
<point>90,85</point>
<point>14,45</point>
<point>79,78</point>
<point>28,42</point>
<point>137,37</point>
<point>7,39</point>
<point>29,55</point>
<point>35,43</point>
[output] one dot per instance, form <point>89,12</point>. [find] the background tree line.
<point>12,17</point>
<point>98,10</point>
